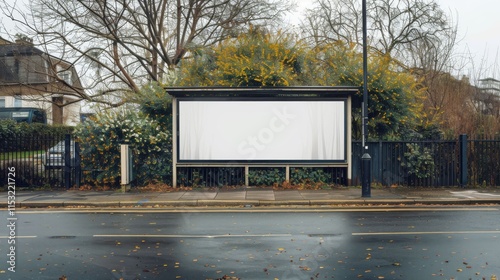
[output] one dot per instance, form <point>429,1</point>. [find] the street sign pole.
<point>366,159</point>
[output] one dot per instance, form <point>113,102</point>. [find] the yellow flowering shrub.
<point>395,96</point>
<point>255,58</point>
<point>259,59</point>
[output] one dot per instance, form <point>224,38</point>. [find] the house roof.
<point>3,41</point>
<point>33,67</point>
<point>18,49</point>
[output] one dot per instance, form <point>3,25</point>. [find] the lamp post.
<point>365,159</point>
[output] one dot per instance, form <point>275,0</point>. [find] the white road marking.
<point>473,194</point>
<point>187,235</point>
<point>425,232</point>
<point>19,236</point>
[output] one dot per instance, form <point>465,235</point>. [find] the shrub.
<point>28,137</point>
<point>266,176</point>
<point>419,162</point>
<point>308,175</point>
<point>156,103</point>
<point>100,140</point>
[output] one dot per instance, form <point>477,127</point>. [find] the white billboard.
<point>269,131</point>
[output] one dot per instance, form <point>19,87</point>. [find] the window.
<point>65,76</point>
<point>18,102</point>
<point>2,102</point>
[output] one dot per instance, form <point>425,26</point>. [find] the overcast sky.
<point>479,31</point>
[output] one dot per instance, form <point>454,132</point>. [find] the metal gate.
<point>51,161</point>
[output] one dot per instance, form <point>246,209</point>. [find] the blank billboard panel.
<point>262,131</point>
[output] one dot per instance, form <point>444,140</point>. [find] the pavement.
<point>255,197</point>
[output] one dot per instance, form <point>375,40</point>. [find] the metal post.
<point>366,162</point>
<point>78,166</point>
<point>67,161</point>
<point>365,159</point>
<point>462,139</point>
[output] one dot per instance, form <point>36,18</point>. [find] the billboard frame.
<point>284,94</point>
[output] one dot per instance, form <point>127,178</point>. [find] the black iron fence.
<point>40,161</point>
<point>431,163</point>
<point>483,162</point>
<point>53,161</point>
<point>233,176</point>
<point>422,163</point>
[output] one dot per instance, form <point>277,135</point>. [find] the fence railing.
<point>410,163</point>
<point>483,166</point>
<point>424,163</point>
<point>431,163</point>
<point>232,176</point>
<point>40,161</point>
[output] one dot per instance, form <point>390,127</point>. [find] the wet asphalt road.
<point>418,244</point>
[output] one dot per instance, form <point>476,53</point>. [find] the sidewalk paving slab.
<point>292,195</point>
<point>231,195</point>
<point>170,196</point>
<point>260,195</point>
<point>198,195</point>
<point>345,197</point>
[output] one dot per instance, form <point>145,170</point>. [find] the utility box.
<point>126,167</point>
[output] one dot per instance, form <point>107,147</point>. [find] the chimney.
<point>24,40</point>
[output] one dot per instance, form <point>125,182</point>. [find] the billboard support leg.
<point>287,173</point>
<point>246,175</point>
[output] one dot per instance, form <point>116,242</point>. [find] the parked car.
<point>21,114</point>
<point>54,157</point>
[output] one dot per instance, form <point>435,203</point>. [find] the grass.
<point>20,154</point>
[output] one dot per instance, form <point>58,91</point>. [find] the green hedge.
<point>100,140</point>
<point>25,137</point>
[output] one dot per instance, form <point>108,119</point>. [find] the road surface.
<point>421,243</point>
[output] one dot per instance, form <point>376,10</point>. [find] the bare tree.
<point>431,61</point>
<point>394,26</point>
<point>118,45</point>
<point>416,34</point>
